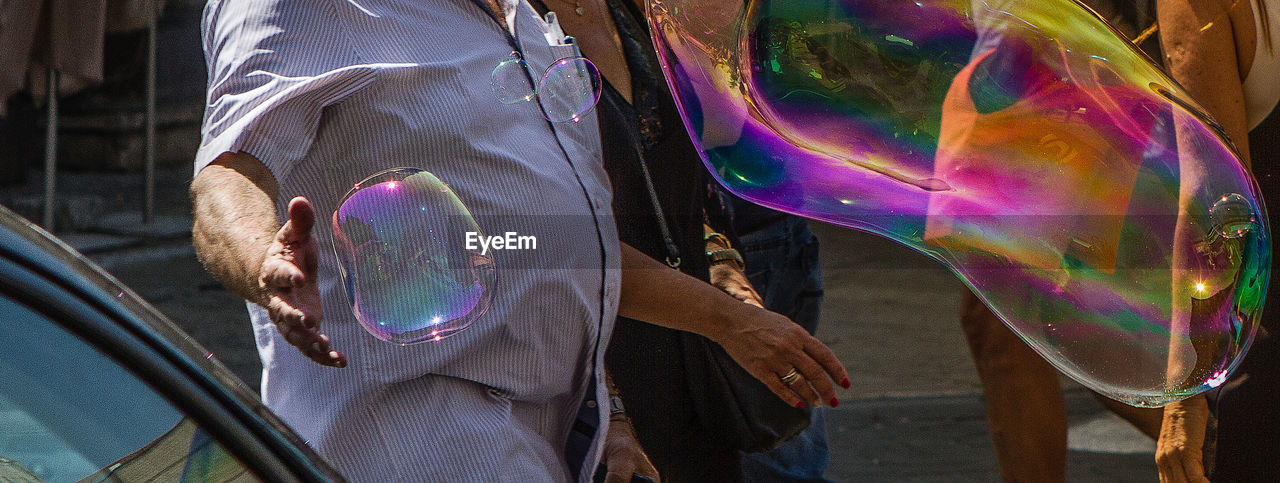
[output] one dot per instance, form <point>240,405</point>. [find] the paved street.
<point>914,412</point>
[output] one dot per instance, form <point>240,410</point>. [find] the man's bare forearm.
<point>235,221</point>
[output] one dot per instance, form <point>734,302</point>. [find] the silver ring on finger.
<point>791,377</point>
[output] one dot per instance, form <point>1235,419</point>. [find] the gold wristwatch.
<point>726,254</point>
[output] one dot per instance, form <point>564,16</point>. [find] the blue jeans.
<point>782,265</point>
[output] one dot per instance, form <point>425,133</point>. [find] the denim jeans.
<point>782,265</point>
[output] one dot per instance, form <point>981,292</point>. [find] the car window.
<point>70,413</point>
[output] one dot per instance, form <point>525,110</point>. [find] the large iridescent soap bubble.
<point>401,238</point>
<point>1025,144</point>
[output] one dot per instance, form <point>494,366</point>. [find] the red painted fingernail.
<point>835,402</point>
<point>800,405</point>
<point>845,383</point>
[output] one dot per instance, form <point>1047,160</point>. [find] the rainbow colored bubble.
<point>400,238</point>
<point>1026,145</point>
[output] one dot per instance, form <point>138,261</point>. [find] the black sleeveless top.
<point>645,360</point>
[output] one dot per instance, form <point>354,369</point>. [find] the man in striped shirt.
<point>307,97</point>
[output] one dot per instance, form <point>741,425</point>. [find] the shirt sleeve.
<point>273,67</point>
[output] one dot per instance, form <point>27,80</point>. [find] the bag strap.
<point>673,252</point>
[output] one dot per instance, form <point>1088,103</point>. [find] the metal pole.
<point>149,191</point>
<point>50,150</point>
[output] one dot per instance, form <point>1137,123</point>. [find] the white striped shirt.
<point>326,92</point>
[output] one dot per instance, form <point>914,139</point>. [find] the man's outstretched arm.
<point>239,239</point>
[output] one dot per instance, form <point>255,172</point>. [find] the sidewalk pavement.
<point>914,413</point>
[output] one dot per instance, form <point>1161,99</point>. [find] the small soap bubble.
<point>510,81</point>
<point>1023,143</point>
<point>400,239</point>
<point>1233,216</point>
<point>569,88</point>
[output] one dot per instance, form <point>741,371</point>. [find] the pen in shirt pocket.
<point>554,34</point>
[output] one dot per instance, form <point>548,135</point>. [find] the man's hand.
<point>1178,452</point>
<point>623,454</point>
<point>288,278</point>
<point>234,232</point>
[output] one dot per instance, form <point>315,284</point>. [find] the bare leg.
<point>1025,409</point>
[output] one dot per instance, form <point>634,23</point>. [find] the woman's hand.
<point>770,347</point>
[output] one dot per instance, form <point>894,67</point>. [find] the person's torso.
<point>430,105</point>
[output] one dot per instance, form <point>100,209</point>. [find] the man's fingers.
<point>301,331</point>
<point>302,217</point>
<point>294,243</point>
<point>1194,470</point>
<point>328,358</point>
<point>281,274</point>
<point>287,275</point>
<point>1171,470</point>
<point>807,356</point>
<point>288,322</point>
<point>620,467</point>
<point>297,336</point>
<point>313,345</point>
<point>286,311</point>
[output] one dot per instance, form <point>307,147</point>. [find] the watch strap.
<point>726,255</point>
<point>615,405</point>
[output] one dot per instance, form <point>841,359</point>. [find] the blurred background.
<point>100,52</point>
